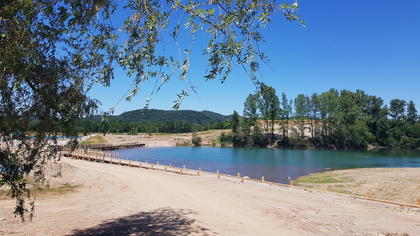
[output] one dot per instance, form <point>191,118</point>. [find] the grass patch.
<point>340,189</point>
<point>215,131</point>
<point>184,144</point>
<point>62,189</point>
<point>319,178</point>
<point>44,191</point>
<point>97,139</point>
<point>211,131</point>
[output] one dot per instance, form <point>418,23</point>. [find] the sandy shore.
<point>209,138</point>
<point>129,201</point>
<point>393,184</point>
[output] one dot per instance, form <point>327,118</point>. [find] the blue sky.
<point>370,45</point>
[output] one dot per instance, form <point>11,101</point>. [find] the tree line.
<point>332,120</point>
<point>86,126</point>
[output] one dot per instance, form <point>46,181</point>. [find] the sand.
<point>130,201</point>
<point>394,184</point>
<point>209,138</point>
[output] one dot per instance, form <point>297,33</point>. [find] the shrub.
<point>196,140</point>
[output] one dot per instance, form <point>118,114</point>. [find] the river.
<point>274,164</point>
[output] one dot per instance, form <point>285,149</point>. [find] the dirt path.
<point>131,201</point>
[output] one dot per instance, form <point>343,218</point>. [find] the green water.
<point>274,164</point>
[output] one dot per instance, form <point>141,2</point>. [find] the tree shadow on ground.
<point>162,221</point>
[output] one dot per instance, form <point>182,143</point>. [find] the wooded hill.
<point>155,115</point>
<point>155,121</point>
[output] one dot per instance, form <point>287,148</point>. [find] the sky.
<point>370,45</point>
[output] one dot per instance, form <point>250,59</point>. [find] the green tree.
<point>301,113</point>
<point>314,108</point>
<point>328,104</point>
<point>412,116</point>
<point>268,105</point>
<point>196,140</point>
<point>250,117</point>
<point>235,123</point>
<point>285,114</point>
<point>352,131</point>
<point>51,52</point>
<point>397,108</point>
<point>397,136</point>
<point>251,108</point>
<point>378,120</point>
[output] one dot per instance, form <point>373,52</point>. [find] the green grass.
<point>340,189</point>
<point>320,178</point>
<point>328,180</point>
<point>210,131</point>
<point>97,139</point>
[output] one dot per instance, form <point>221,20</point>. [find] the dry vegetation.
<point>97,139</point>
<point>44,190</point>
<point>394,184</point>
<point>53,185</point>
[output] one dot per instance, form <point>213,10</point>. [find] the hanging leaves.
<point>233,29</point>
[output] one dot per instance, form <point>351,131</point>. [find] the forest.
<point>119,126</point>
<point>330,120</point>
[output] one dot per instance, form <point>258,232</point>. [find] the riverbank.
<point>123,201</point>
<point>208,138</point>
<point>393,184</point>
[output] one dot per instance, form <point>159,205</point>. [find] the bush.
<point>133,131</point>
<point>225,139</point>
<point>196,140</point>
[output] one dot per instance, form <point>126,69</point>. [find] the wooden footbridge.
<point>115,158</point>
<point>110,147</point>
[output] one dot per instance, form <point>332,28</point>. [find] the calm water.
<point>274,164</point>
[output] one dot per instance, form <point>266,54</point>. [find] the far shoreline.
<point>210,139</point>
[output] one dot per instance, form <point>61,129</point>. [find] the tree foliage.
<point>53,52</point>
<point>333,119</point>
<point>86,126</point>
<point>50,53</point>
<point>232,30</point>
<point>269,108</point>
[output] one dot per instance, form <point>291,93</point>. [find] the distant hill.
<point>154,115</point>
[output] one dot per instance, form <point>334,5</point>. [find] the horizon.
<point>240,111</point>
<point>344,46</point>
